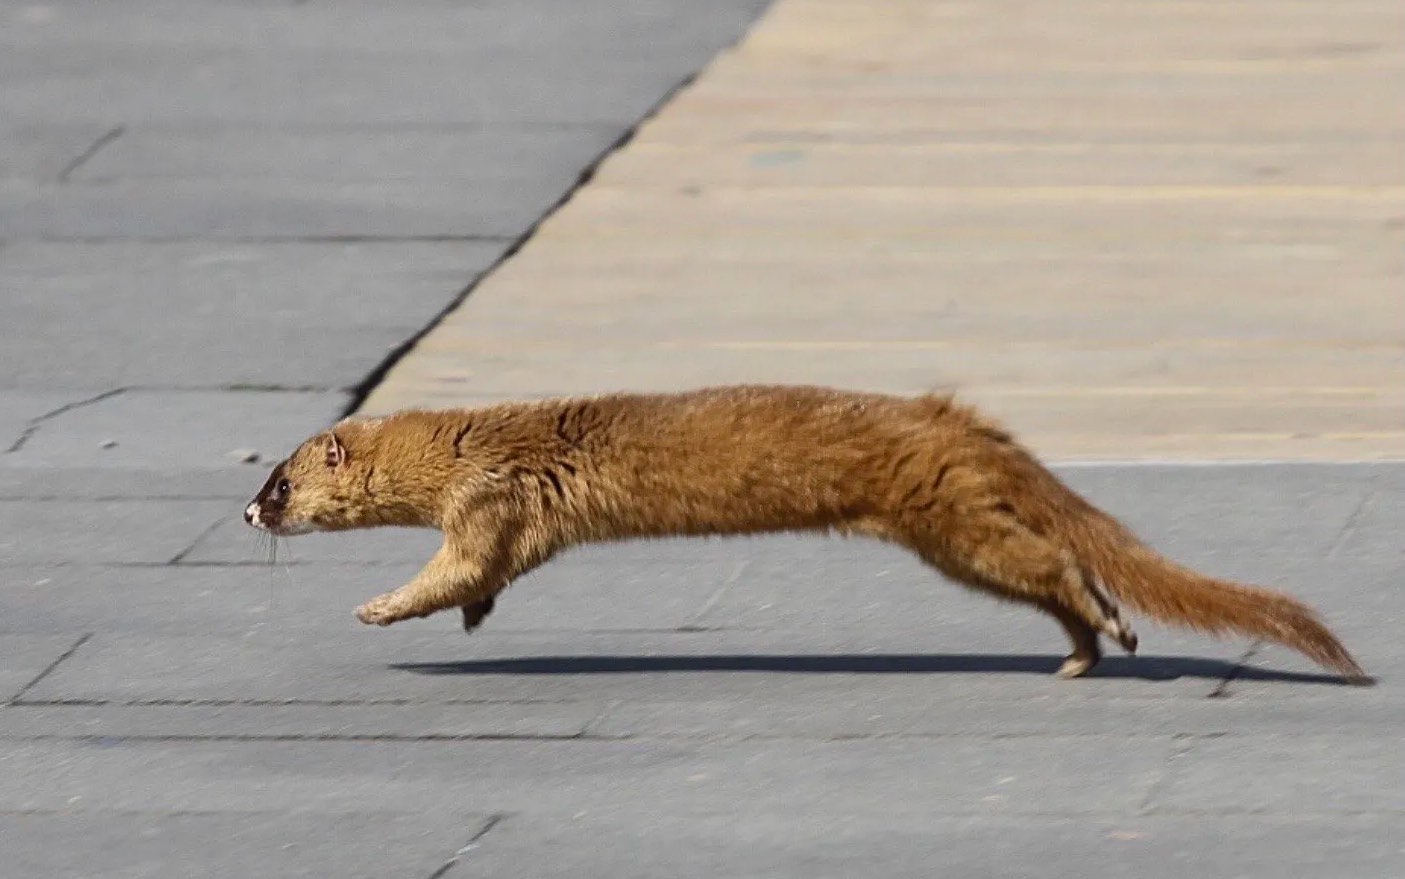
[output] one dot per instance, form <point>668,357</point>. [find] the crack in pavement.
<point>493,821</point>
<point>1157,787</point>
<point>35,423</point>
<point>1368,497</point>
<point>696,623</point>
<point>179,557</point>
<point>15,699</point>
<point>1221,690</point>
<point>93,149</point>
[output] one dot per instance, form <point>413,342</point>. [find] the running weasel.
<point>510,485</point>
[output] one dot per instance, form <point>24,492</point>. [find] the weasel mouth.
<point>271,523</point>
<point>269,520</point>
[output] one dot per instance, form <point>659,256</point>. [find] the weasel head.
<point>318,488</point>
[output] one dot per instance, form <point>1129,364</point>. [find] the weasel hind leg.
<point>995,553</point>
<point>1086,650</point>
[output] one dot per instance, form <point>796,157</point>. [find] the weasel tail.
<point>1168,592</point>
<point>1134,573</point>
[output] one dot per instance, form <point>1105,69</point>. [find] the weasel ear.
<point>336,452</point>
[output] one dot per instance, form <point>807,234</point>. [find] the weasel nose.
<point>250,512</point>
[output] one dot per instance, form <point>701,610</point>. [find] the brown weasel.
<point>512,484</point>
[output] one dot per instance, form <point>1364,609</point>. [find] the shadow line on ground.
<point>1151,668</point>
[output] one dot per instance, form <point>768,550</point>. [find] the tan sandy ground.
<point>1151,230</point>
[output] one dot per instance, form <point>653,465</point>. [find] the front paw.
<point>380,611</point>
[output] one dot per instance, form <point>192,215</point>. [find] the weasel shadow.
<point>1149,668</point>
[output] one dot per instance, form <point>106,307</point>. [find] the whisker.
<point>267,542</point>
<point>288,567</point>
<point>256,537</point>
<point>268,546</point>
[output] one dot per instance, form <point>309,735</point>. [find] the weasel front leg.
<point>438,585</point>
<point>476,612</point>
<point>468,570</point>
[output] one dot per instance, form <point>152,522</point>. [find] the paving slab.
<point>433,660</point>
<point>385,86</point>
<point>622,31</point>
<point>1205,516</point>
<point>42,482</point>
<point>211,210</point>
<point>955,777</point>
<point>67,532</point>
<point>486,63</point>
<point>997,708</point>
<point>284,315</point>
<point>255,597</point>
<point>1315,773</point>
<point>808,841</point>
<point>191,600</point>
<point>877,712</point>
<point>339,777</point>
<point>138,428</point>
<point>470,156</point>
<point>71,844</point>
<point>248,721</point>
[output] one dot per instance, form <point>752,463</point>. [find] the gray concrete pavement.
<point>775,707</point>
<point>204,248</point>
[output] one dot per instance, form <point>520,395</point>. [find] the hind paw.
<point>1122,633</point>
<point>1076,666</point>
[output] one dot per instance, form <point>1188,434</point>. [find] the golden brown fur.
<point>510,485</point>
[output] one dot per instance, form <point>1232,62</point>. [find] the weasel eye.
<point>283,487</point>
